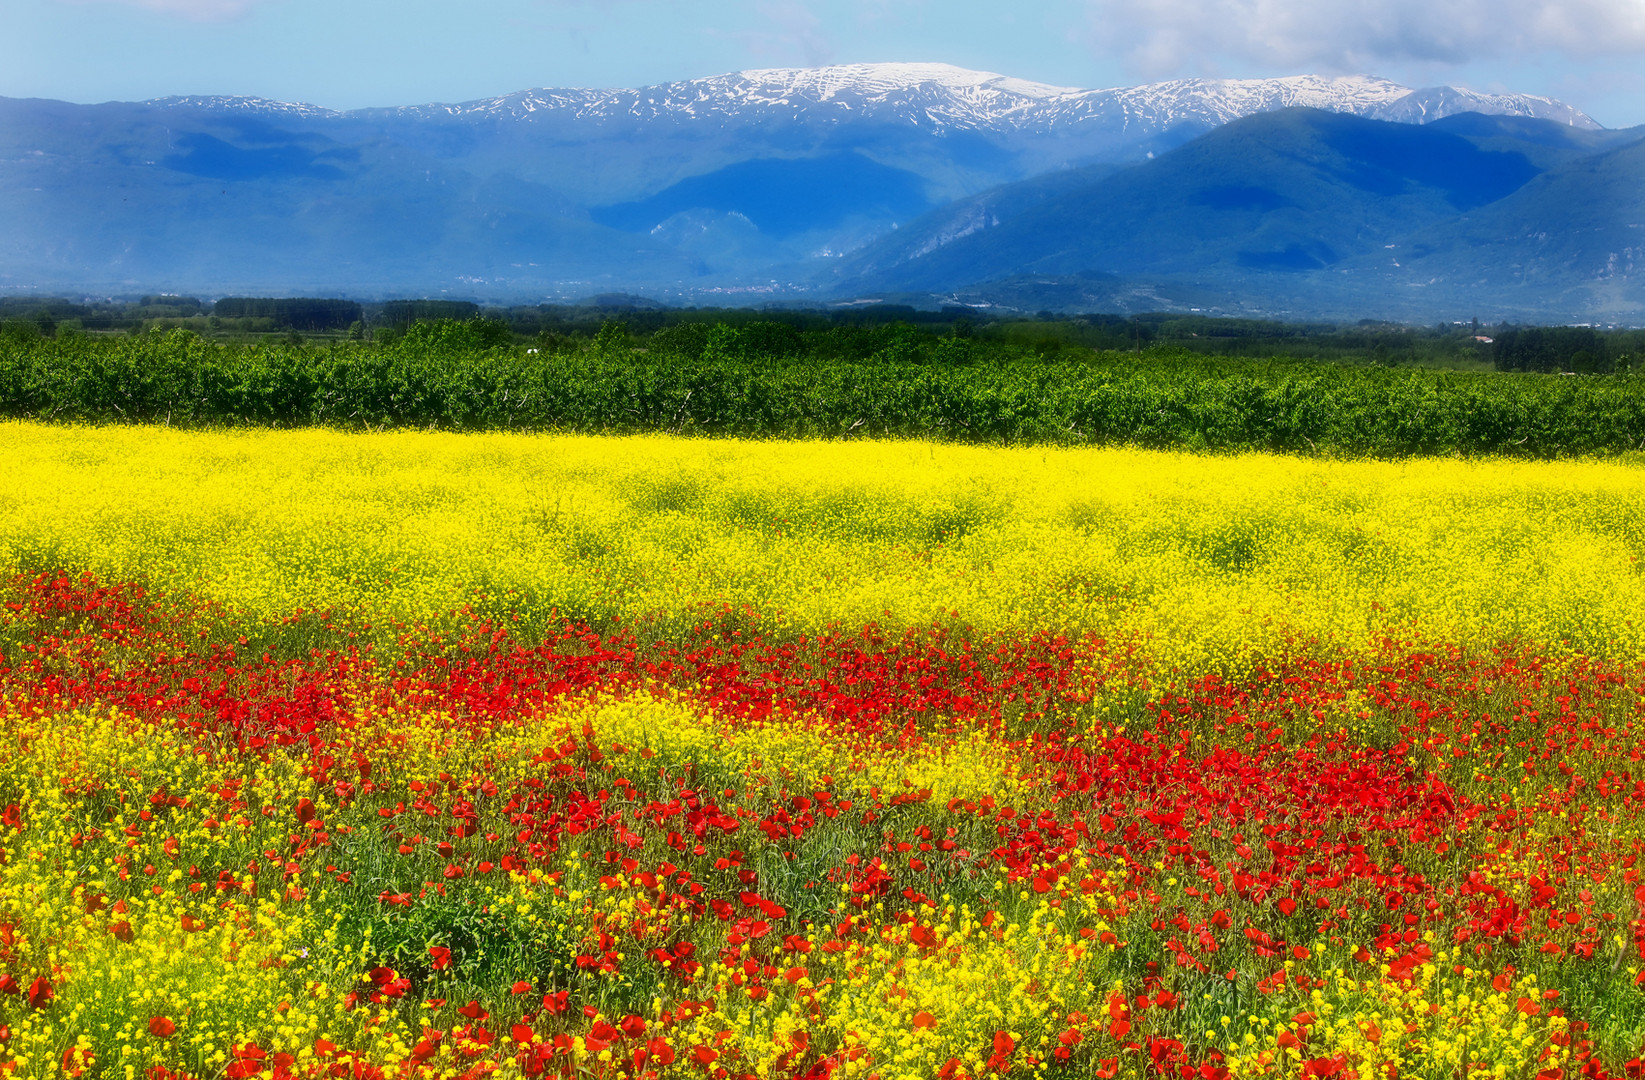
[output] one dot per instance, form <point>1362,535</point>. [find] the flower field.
<point>417,755</point>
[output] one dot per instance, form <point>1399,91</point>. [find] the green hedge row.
<point>952,391</point>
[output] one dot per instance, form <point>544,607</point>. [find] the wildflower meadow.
<point>383,756</point>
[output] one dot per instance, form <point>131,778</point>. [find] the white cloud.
<point>1160,38</point>
<point>196,10</point>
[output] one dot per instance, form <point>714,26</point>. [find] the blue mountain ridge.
<point>810,184</point>
<point>1304,211</point>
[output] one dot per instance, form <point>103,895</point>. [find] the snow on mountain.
<point>887,79</point>
<point>944,97</point>
<point>941,97</point>
<point>939,94</point>
<point>1217,101</point>
<point>1435,103</point>
<point>254,105</point>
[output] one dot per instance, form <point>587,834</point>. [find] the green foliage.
<point>19,331</point>
<point>902,344</point>
<point>685,340</point>
<point>613,341</point>
<point>297,313</point>
<point>453,336</point>
<point>724,344</point>
<point>402,313</point>
<point>1577,349</point>
<point>844,381</point>
<point>954,350</point>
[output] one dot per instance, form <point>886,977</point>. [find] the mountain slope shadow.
<point>1290,192</point>
<point>210,157</point>
<point>783,196</point>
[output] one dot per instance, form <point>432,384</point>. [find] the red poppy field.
<point>335,844</point>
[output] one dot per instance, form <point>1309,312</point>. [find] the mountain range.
<point>1304,212</point>
<point>1304,194</point>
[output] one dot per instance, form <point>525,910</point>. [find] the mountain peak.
<point>1217,101</point>
<point>1309,91</point>
<point>945,97</point>
<point>1437,102</point>
<point>827,82</point>
<point>241,104</point>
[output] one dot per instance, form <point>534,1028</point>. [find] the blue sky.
<point>353,53</point>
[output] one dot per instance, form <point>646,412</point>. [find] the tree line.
<point>772,331</point>
<point>893,380</point>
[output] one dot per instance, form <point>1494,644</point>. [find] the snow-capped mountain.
<point>238,104</point>
<point>1425,106</point>
<point>1219,101</point>
<point>752,175</point>
<point>930,94</point>
<point>944,97</point>
<point>952,131</point>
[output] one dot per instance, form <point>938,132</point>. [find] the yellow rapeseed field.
<point>1207,560</point>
